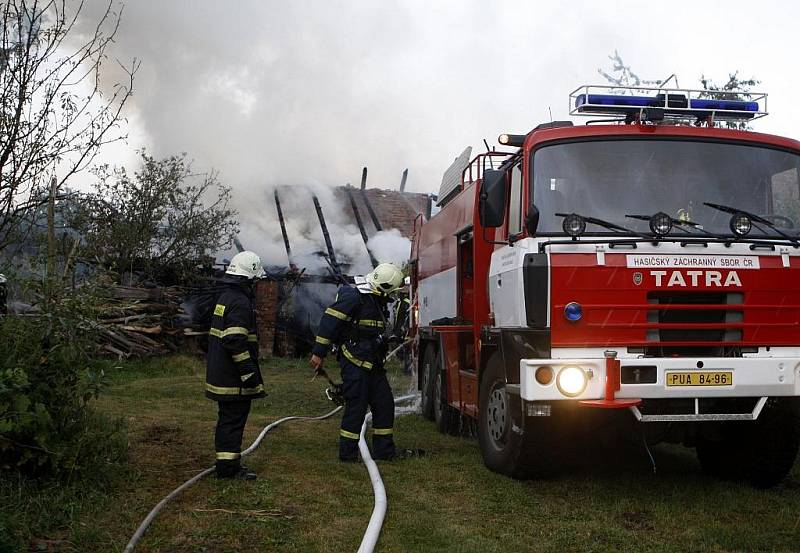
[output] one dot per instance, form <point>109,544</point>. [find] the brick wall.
<point>393,208</point>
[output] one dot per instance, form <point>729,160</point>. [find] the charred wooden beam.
<point>317,279</point>
<point>361,228</point>
<point>283,229</point>
<point>331,253</point>
<point>364,178</point>
<point>371,211</point>
<point>403,180</point>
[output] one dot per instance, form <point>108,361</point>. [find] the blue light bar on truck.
<point>613,100</point>
<point>675,103</point>
<point>650,102</point>
<point>730,105</point>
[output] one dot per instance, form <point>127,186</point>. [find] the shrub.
<point>47,381</point>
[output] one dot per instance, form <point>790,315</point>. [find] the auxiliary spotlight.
<point>574,225</point>
<point>661,224</point>
<point>741,224</point>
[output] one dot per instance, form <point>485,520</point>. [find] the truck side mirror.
<point>492,200</point>
<point>532,220</point>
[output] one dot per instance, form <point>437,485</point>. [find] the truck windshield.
<point>609,178</point>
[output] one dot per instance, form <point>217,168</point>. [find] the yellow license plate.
<point>700,378</point>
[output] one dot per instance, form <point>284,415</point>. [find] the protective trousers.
<point>364,388</point>
<point>228,436</point>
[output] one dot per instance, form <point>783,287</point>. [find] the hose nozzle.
<point>334,393</point>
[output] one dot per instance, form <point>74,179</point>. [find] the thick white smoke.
<point>389,246</point>
<point>261,232</point>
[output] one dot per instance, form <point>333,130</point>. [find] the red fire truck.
<point>641,271</point>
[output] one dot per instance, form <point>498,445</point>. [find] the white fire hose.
<point>378,512</point>
<point>134,541</point>
<point>398,348</point>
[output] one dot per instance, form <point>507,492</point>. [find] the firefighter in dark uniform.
<point>356,322</point>
<point>233,378</point>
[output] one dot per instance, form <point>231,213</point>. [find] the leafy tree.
<point>54,117</point>
<point>735,89</point>
<point>162,220</point>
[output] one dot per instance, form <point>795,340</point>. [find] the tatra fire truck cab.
<point>639,271</point>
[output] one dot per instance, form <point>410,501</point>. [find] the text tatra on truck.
<point>640,273</point>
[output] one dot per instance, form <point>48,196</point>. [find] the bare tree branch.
<point>54,117</point>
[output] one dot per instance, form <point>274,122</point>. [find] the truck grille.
<point>693,317</point>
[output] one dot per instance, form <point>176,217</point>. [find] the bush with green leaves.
<point>161,220</point>
<point>47,381</point>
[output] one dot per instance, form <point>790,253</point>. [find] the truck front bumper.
<point>744,377</point>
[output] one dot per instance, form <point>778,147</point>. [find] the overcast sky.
<point>309,91</point>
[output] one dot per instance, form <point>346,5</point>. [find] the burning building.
<point>328,235</point>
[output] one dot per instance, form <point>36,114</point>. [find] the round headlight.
<point>740,224</point>
<point>571,381</point>
<point>574,225</point>
<point>661,223</point>
<point>573,311</point>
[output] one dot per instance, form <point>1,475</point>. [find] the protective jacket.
<point>356,322</point>
<point>232,372</point>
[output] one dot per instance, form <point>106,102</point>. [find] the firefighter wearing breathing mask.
<point>233,378</point>
<point>356,323</point>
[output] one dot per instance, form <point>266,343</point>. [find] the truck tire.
<point>762,452</point>
<point>509,443</point>
<point>445,416</point>
<point>426,377</point>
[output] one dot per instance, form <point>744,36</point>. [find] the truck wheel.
<point>509,445</point>
<point>445,416</point>
<point>428,364</point>
<point>762,452</point>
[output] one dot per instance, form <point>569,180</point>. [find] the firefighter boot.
<point>401,454</point>
<point>233,470</point>
<point>245,474</point>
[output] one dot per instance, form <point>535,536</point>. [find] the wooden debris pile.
<point>141,321</point>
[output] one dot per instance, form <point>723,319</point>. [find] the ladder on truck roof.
<point>463,170</point>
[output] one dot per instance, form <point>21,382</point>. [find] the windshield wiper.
<point>610,226</point>
<point>755,219</point>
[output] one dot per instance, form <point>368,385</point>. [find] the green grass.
<point>305,501</point>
